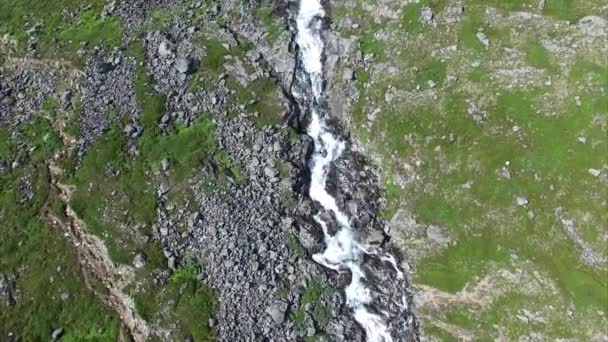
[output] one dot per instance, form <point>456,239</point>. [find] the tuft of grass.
<point>189,302</point>
<point>312,294</point>
<point>539,57</point>
<point>214,57</point>
<point>369,44</point>
<point>432,70</point>
<point>263,14</point>
<point>295,246</point>
<point>184,147</point>
<point>91,30</point>
<point>263,93</point>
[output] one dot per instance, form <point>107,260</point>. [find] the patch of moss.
<point>295,246</point>
<point>312,294</point>
<point>263,14</point>
<point>539,57</point>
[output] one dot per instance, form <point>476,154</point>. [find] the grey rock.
<point>129,129</point>
<point>309,238</point>
<point>374,237</point>
<point>595,172</point>
<point>270,171</point>
<point>165,49</point>
<point>164,164</point>
<point>171,262</point>
<point>165,119</point>
<point>437,234</point>
<point>140,259</point>
<point>483,39</point>
<point>277,311</point>
<point>426,16</point>
<point>66,99</point>
<point>194,219</point>
<point>104,67</point>
<point>521,200</point>
<point>186,65</point>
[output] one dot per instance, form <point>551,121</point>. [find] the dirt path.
<point>95,260</point>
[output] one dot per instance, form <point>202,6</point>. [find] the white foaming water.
<point>343,251</point>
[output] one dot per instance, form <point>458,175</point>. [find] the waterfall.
<point>343,251</point>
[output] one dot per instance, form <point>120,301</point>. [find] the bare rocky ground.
<point>153,139</point>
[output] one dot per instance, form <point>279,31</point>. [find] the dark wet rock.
<point>7,289</point>
<point>104,67</point>
<point>66,99</point>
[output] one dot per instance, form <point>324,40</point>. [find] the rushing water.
<point>343,251</point>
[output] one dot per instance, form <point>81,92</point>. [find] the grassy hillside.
<point>491,125</point>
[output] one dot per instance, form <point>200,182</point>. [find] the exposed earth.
<point>155,170</point>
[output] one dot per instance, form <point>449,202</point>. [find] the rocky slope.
<point>184,153</point>
<point>154,168</point>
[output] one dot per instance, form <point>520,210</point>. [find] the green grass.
<point>112,188</point>
<point>312,294</point>
<point>572,10</point>
<point>470,26</point>
<point>456,181</point>
<point>214,57</point>
<point>60,37</point>
<point>295,246</point>
<point>211,66</point>
<point>32,250</point>
<point>42,139</point>
<point>503,311</point>
<point>369,44</point>
<point>189,303</point>
<point>483,238</point>
<point>410,17</point>
<point>431,329</point>
<point>226,168</point>
<point>92,30</point>
<point>263,92</point>
<point>484,219</point>
<point>433,70</point>
<point>537,56</point>
<point>184,147</point>
<point>263,14</point>
<point>470,257</point>
<point>510,5</point>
